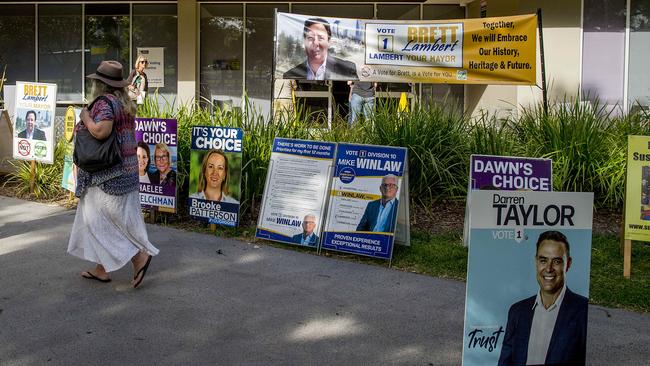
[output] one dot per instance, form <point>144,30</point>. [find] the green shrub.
<point>586,142</point>
<point>47,177</point>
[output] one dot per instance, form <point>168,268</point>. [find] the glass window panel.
<point>259,43</point>
<point>59,49</point>
<point>107,37</point>
<point>221,52</point>
<point>639,78</point>
<point>17,42</point>
<point>157,26</point>
<point>602,72</point>
<point>398,11</point>
<point>604,15</point>
<point>358,11</point>
<point>439,12</point>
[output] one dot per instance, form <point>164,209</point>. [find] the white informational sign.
<point>527,278</point>
<point>156,69</point>
<point>35,104</point>
<point>295,194</point>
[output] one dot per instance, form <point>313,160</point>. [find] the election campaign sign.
<point>500,50</point>
<point>637,189</point>
<point>527,278</point>
<point>69,178</point>
<point>157,157</point>
<point>295,194</point>
<point>507,173</point>
<point>35,104</point>
<point>363,202</point>
<point>215,174</point>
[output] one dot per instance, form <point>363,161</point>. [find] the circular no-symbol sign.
<point>24,148</point>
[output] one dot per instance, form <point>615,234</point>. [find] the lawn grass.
<point>608,287</point>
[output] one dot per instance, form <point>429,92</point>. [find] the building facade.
<point>221,52</point>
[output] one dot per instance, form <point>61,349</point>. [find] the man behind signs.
<point>549,328</point>
<point>30,131</point>
<point>307,237</point>
<point>380,214</point>
<point>319,65</point>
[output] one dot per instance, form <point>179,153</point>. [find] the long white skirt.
<point>109,230</point>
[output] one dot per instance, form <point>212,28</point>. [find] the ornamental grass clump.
<point>576,136</point>
<point>436,137</point>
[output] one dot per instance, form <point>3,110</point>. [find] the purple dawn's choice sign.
<point>509,173</point>
<point>157,156</point>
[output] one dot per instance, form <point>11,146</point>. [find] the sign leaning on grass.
<point>363,203</point>
<point>295,192</point>
<point>34,109</point>
<point>505,322</point>
<point>637,189</point>
<point>69,178</point>
<point>500,50</point>
<point>215,174</point>
<point>157,157</point>
<point>506,173</point>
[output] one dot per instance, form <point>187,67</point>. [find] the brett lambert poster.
<point>215,174</point>
<point>34,121</point>
<point>499,50</point>
<point>295,191</point>
<point>529,260</point>
<point>364,201</point>
<point>637,190</point>
<point>157,157</point>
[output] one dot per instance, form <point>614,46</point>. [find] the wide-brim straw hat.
<point>110,73</point>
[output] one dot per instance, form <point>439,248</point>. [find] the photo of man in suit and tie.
<point>320,65</point>
<point>30,131</point>
<point>380,215</point>
<point>550,327</point>
<point>308,237</point>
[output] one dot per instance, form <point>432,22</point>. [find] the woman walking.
<point>108,228</point>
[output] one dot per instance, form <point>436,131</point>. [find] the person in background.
<point>362,100</point>
<point>143,162</point>
<point>139,85</point>
<point>213,181</point>
<point>164,175</point>
<point>108,226</point>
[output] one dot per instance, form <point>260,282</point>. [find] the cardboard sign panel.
<point>527,278</point>
<point>363,202</point>
<point>215,174</point>
<point>295,193</point>
<point>499,50</point>
<point>157,158</point>
<point>33,127</point>
<point>506,173</point>
<point>637,189</point>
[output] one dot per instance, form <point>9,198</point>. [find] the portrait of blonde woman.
<point>139,85</point>
<point>213,180</point>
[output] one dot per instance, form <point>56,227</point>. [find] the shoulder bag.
<point>94,155</point>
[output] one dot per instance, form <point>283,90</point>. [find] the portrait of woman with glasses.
<point>164,174</point>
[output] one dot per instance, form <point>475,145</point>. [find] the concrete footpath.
<point>250,305</point>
